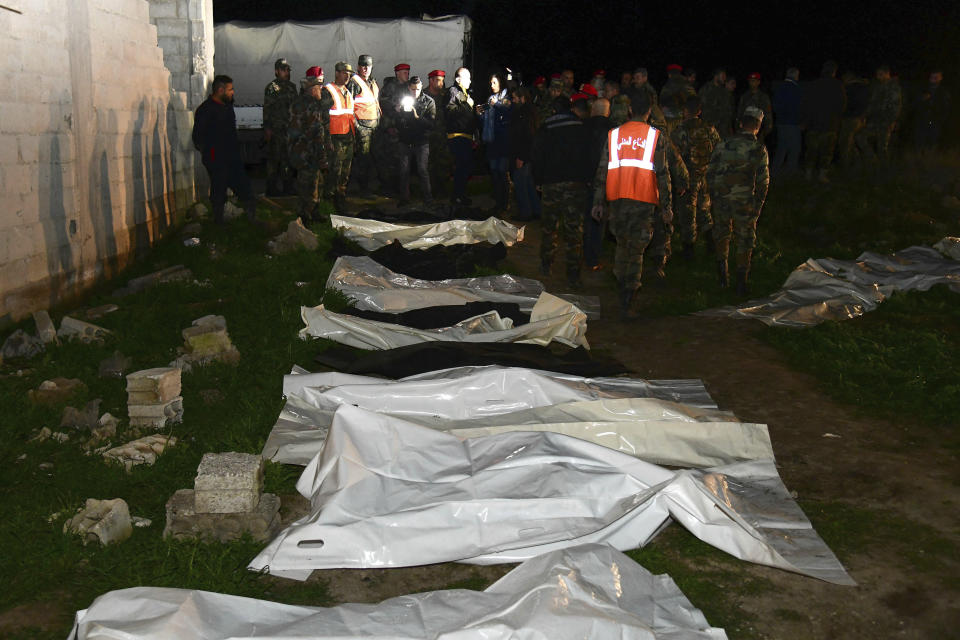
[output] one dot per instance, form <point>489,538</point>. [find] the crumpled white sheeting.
<point>589,591</point>
<point>827,289</point>
<point>370,286</point>
<point>388,493</point>
<point>551,319</point>
<point>949,246</point>
<point>373,234</point>
<point>461,393</point>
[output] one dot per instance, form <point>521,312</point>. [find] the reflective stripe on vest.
<point>631,173</point>
<point>365,105</point>
<point>341,113</point>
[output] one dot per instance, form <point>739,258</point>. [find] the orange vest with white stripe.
<point>365,105</point>
<point>630,171</point>
<point>341,113</point>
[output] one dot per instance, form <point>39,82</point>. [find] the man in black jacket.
<point>415,122</point>
<point>561,165</point>
<point>215,136</point>
<point>461,122</point>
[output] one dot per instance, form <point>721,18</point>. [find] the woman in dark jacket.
<point>496,135</point>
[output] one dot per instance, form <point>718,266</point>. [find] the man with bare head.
<point>461,121</point>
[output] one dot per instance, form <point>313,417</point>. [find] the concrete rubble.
<point>73,329</point>
<point>56,391</point>
<point>103,521</point>
<point>45,329</point>
<point>114,366</point>
<point>170,274</point>
<point>295,237</point>
<point>105,430</point>
<point>102,310</point>
<point>227,501</point>
<point>141,451</point>
<point>21,344</point>
<point>87,418</point>
<point>153,397</point>
<point>206,341</point>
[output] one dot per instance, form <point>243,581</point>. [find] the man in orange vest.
<point>338,104</point>
<point>366,107</point>
<point>633,181</point>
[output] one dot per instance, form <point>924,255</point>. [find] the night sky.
<point>543,36</point>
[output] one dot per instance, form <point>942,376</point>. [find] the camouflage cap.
<point>343,66</point>
<point>556,83</point>
<point>754,112</point>
<point>366,60</point>
<point>281,63</point>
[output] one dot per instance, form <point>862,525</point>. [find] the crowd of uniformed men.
<point>577,158</point>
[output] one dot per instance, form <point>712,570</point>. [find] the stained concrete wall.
<point>95,151</point>
<point>185,33</point>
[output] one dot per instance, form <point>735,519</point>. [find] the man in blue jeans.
<point>461,122</point>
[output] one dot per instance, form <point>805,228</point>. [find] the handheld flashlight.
<point>407,103</point>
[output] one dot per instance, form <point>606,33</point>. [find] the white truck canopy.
<point>246,51</point>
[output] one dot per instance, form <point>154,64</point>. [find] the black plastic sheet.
<point>435,263</point>
<point>444,316</point>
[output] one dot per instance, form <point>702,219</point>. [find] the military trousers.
<point>309,186</point>
<point>820,148</point>
<point>364,165</point>
<point>631,223</point>
<point>340,157</point>
<point>278,161</point>
<point>734,219</point>
<point>873,141</point>
<point>694,210</point>
<point>562,208</point>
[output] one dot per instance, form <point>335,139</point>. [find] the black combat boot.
<point>743,288</point>
<point>722,272</point>
<point>688,251</point>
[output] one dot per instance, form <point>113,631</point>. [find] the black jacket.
<point>522,130</point>
<point>215,132</point>
<point>561,151</point>
<point>416,130</point>
<point>459,116</point>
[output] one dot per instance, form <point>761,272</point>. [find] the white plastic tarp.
<point>246,51</point>
<point>552,318</point>
<point>589,591</point>
<point>828,289</point>
<point>374,234</point>
<point>388,493</point>
<point>371,286</point>
<point>468,393</point>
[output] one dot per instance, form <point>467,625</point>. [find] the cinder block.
<point>28,147</point>
<point>163,9</point>
<point>162,380</point>
<point>172,28</point>
<point>228,482</point>
<point>8,149</point>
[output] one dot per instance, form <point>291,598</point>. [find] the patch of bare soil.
<point>47,616</point>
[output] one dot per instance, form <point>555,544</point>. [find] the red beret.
<point>674,67</point>
<point>539,81</point>
<point>315,72</point>
<point>753,76</point>
<point>403,66</point>
<point>580,95</point>
<point>555,75</point>
<point>589,89</point>
<point>437,73</point>
<point>601,73</point>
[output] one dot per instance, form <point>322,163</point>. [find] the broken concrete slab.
<point>140,451</point>
<point>106,428</point>
<point>86,418</point>
<point>43,434</point>
<point>103,521</point>
<point>185,522</point>
<point>45,329</point>
<point>21,345</point>
<point>73,329</point>
<point>207,340</point>
<point>163,382</point>
<point>295,237</point>
<point>156,416</point>
<point>56,391</point>
<point>114,366</point>
<point>232,211</point>
<point>170,274</point>
<point>198,210</point>
<point>102,310</point>
<point>228,482</point>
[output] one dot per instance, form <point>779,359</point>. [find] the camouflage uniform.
<point>760,100</point>
<point>562,209</point>
<point>619,110</point>
<point>737,176</point>
<point>386,145</point>
<point>717,108</point>
<point>307,140</point>
<point>277,98</point>
<point>441,162</point>
<point>631,221</point>
<point>883,110</point>
<point>695,139</point>
<point>673,97</point>
<point>660,247</point>
<point>364,164</point>
<point>339,150</point>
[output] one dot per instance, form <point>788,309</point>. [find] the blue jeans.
<point>421,155</point>
<point>789,142</point>
<point>528,204</point>
<point>462,151</point>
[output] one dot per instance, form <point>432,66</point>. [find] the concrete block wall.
<point>185,33</point>
<point>95,151</point>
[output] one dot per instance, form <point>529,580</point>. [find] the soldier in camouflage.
<point>674,95</point>
<point>632,220</point>
<point>738,176</point>
<point>387,143</point>
<point>277,98</point>
<point>619,103</point>
<point>883,111</point>
<point>695,139</point>
<point>660,247</point>
<point>307,141</point>
<point>715,99</point>
<point>640,84</point>
<point>366,95</point>
<point>547,106</point>
<point>339,145</point>
<point>754,97</point>
<point>441,162</point>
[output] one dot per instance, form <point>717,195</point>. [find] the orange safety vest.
<point>341,113</point>
<point>365,105</point>
<point>630,171</point>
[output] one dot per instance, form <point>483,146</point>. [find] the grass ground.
<point>897,363</point>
